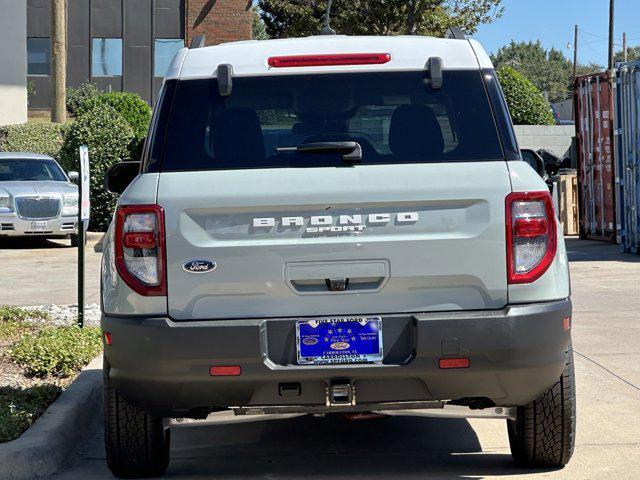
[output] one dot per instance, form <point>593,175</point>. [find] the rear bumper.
<point>163,366</point>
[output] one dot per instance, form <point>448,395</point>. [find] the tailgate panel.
<point>419,237</point>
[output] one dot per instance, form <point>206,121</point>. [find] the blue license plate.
<point>339,340</point>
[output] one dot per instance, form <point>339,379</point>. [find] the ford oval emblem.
<point>199,265</point>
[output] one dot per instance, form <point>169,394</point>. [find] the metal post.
<point>624,47</point>
<point>81,242</point>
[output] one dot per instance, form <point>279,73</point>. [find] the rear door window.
<point>395,117</point>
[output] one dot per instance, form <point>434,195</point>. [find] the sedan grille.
<point>38,208</point>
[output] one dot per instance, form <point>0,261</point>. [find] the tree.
<point>633,54</point>
<point>286,18</point>
<point>549,70</point>
<point>258,30</point>
<point>526,104</point>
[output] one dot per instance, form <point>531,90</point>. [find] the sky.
<point>552,21</point>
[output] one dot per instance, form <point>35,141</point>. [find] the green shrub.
<point>20,407</point>
<point>132,108</point>
<point>56,351</point>
<point>45,138</point>
<point>14,324</point>
<point>526,104</point>
<point>76,97</point>
<point>129,105</point>
<point>10,312</point>
<point>108,137</point>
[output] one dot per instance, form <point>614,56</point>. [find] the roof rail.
<point>455,33</point>
<point>197,41</point>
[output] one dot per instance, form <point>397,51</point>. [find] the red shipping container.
<point>593,97</point>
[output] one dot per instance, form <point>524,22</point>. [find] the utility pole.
<point>575,53</point>
<point>611,15</point>
<point>59,60</point>
<point>624,47</point>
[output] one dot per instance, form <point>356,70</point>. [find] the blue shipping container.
<point>627,154</point>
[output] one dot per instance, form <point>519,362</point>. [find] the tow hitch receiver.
<point>341,393</point>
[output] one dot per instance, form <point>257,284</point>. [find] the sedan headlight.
<point>5,201</point>
<point>70,205</point>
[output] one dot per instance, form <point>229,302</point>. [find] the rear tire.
<point>543,435</point>
<point>74,239</point>
<point>136,443</point>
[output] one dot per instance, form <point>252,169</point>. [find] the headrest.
<point>415,132</point>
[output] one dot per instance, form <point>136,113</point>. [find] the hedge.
<point>44,138</point>
<point>76,97</point>
<point>132,108</point>
<point>526,104</point>
<point>108,137</point>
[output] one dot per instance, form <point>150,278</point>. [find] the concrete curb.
<point>50,441</point>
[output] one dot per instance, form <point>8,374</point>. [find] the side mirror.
<point>120,176</point>
<point>73,176</point>
<point>535,161</point>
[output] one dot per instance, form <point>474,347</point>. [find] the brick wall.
<point>219,20</point>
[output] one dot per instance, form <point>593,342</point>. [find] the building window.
<point>164,51</point>
<point>106,57</point>
<point>38,56</point>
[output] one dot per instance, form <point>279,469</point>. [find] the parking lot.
<point>44,272</point>
<point>606,295</point>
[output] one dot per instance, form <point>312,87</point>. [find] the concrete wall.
<point>556,138</point>
<point>13,61</point>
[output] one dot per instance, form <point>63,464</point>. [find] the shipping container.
<point>627,153</point>
<point>593,97</point>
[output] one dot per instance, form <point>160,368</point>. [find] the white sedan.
<point>37,198</point>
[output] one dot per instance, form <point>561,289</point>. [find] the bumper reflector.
<point>566,323</point>
<point>225,371</point>
<point>107,338</point>
<point>454,363</point>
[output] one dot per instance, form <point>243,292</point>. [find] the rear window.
<point>394,117</point>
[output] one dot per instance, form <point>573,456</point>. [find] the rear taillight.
<point>139,248</point>
<point>531,235</point>
<point>320,60</point>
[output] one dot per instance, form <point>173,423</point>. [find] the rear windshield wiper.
<point>351,151</point>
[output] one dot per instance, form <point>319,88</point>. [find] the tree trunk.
<point>59,61</point>
<point>411,18</point>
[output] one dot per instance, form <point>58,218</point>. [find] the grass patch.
<point>20,407</point>
<point>56,351</point>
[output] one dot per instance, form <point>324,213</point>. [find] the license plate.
<point>38,226</point>
<point>339,340</point>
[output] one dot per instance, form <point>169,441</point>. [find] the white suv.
<point>334,224</point>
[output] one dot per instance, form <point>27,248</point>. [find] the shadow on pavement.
<point>32,243</point>
<point>389,447</point>
<point>591,250</point>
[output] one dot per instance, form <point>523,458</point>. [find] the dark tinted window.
<point>395,117</point>
<point>30,170</point>
<point>38,56</point>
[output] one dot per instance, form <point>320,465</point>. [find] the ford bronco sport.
<point>334,224</point>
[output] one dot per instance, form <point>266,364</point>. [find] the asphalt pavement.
<point>44,272</point>
<point>606,332</point>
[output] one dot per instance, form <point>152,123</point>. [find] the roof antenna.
<point>326,29</point>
